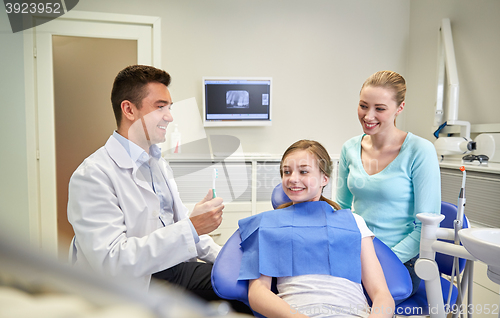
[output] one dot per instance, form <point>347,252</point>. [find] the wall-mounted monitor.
<point>237,101</point>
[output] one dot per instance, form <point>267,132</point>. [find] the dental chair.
<point>418,303</point>
<point>226,268</point>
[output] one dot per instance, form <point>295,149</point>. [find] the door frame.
<point>40,130</point>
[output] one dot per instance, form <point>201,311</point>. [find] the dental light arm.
<point>447,70</point>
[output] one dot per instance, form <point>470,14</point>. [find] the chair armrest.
<point>396,274</point>
<point>226,270</point>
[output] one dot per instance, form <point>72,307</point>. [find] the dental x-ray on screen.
<point>233,101</point>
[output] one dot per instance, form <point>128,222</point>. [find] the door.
<point>84,70</point>
<point>142,31</point>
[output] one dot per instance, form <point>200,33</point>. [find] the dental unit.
<point>426,266</point>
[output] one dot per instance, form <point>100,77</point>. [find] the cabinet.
<point>485,294</point>
<point>482,191</point>
<point>245,184</point>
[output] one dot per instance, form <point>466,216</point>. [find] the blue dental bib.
<point>305,238</point>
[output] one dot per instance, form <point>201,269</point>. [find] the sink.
<point>484,244</point>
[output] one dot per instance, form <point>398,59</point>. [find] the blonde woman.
<point>387,175</point>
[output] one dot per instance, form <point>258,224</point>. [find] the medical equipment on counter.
<point>453,145</point>
<point>488,145</point>
<point>480,160</point>
<point>485,147</point>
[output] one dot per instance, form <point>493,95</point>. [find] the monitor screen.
<point>231,101</point>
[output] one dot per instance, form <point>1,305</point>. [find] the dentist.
<point>124,205</point>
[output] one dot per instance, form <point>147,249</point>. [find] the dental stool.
<point>226,268</point>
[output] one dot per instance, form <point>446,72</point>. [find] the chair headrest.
<point>278,196</point>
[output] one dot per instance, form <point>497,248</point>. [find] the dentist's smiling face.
<point>302,179</point>
<point>377,109</point>
<point>154,115</point>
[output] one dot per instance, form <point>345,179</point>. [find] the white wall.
<point>476,27</point>
<point>13,163</point>
<point>318,52</point>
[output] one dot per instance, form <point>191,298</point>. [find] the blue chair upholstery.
<point>396,275</point>
<point>278,197</point>
<point>417,304</point>
<point>226,268</point>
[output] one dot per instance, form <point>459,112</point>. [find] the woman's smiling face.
<point>377,109</point>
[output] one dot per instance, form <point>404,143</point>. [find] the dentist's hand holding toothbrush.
<point>207,214</point>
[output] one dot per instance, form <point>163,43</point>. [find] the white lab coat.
<point>115,218</point>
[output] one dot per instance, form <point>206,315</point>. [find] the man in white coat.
<point>124,205</point>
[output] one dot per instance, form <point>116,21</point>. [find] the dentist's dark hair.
<point>323,159</point>
<point>130,84</point>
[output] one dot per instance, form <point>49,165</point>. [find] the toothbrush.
<point>215,174</point>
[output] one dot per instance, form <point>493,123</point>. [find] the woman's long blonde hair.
<point>324,163</point>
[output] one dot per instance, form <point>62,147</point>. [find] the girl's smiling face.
<point>302,179</point>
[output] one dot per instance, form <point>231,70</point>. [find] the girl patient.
<point>318,253</point>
